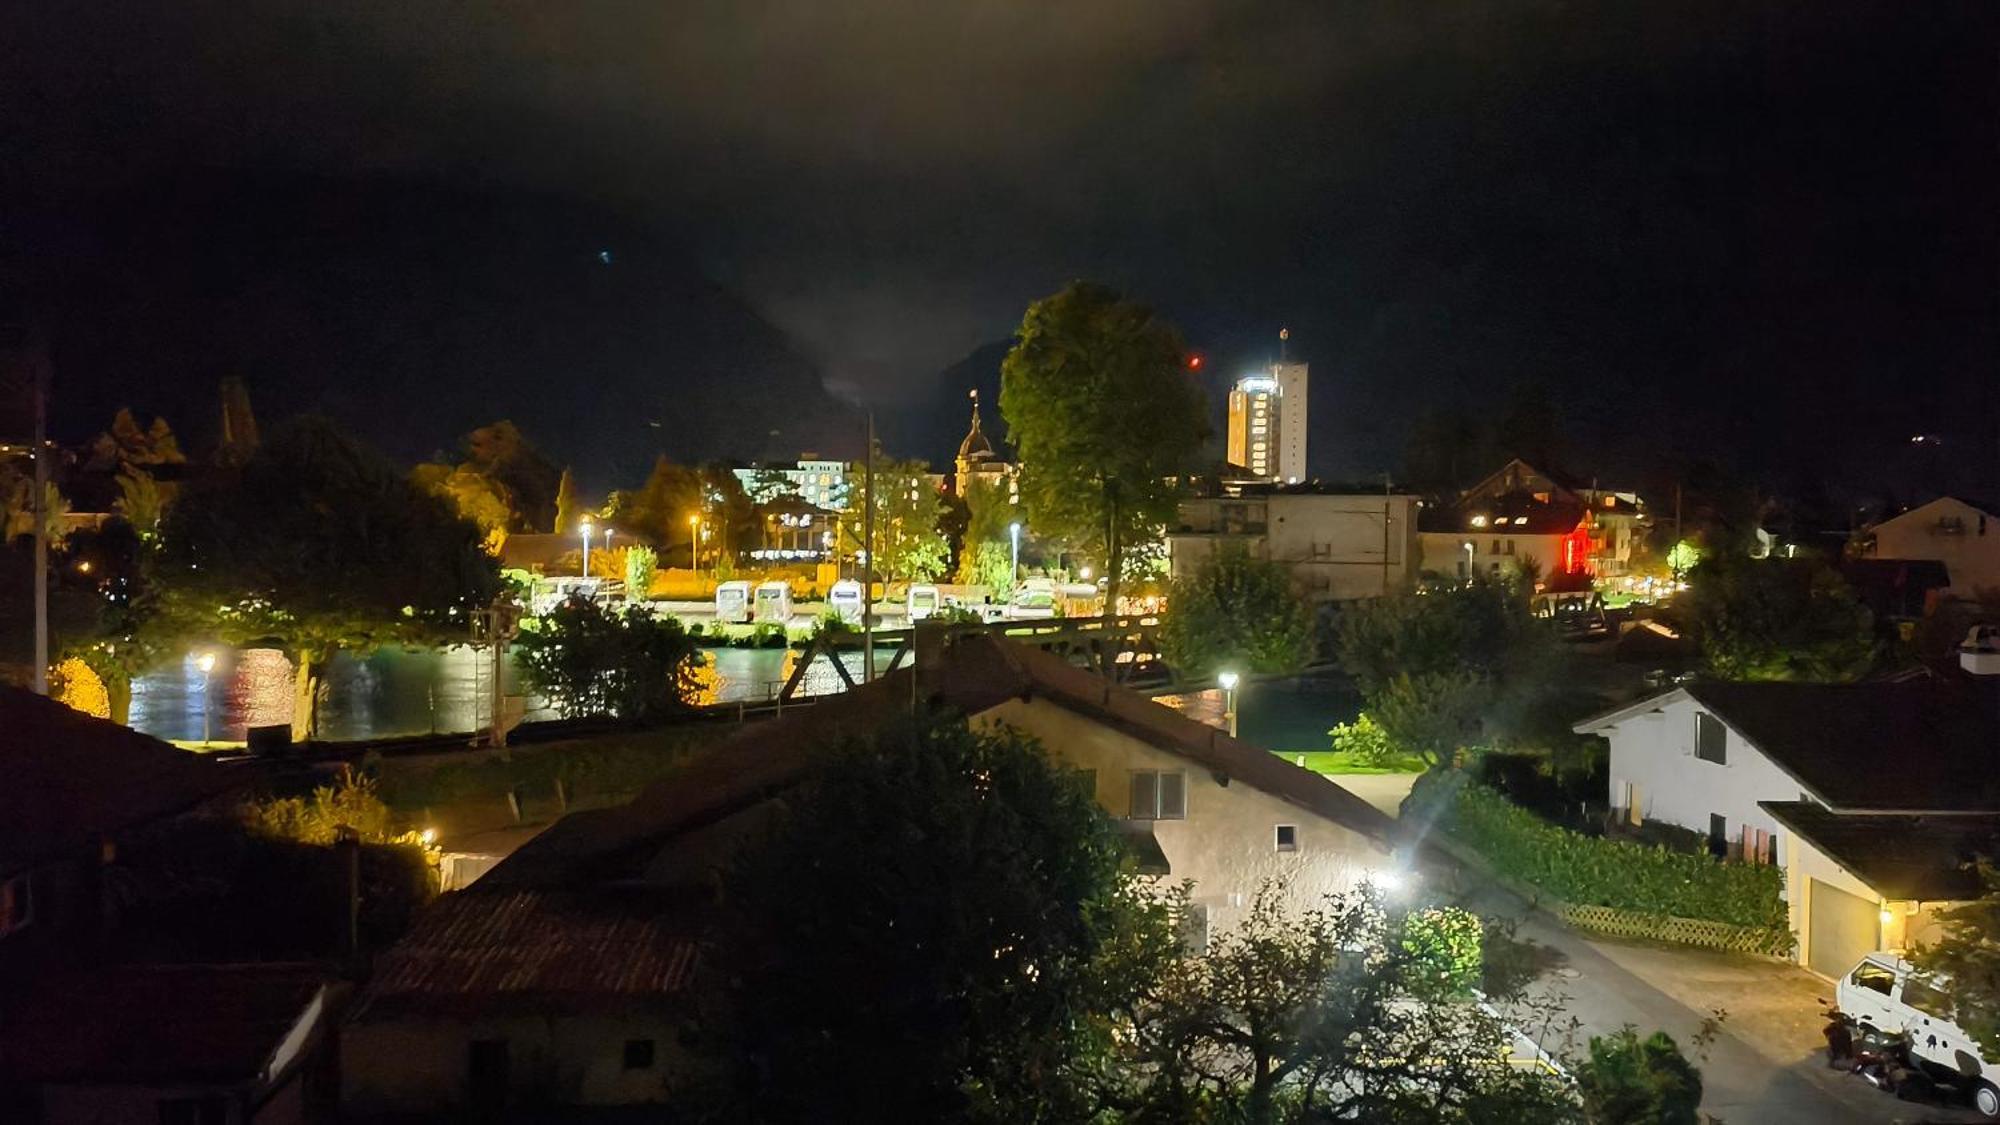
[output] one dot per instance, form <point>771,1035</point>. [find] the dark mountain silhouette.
<point>414,314</point>
<point>934,423</point>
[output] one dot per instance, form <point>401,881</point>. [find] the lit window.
<point>1479,521</point>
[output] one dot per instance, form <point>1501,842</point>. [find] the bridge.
<point>1124,649</point>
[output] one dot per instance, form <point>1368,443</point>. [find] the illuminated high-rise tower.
<point>1267,422</point>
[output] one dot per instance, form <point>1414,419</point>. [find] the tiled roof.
<point>67,778</point>
<point>977,674</point>
<point>481,951</point>
<point>154,1024</point>
<point>1923,858</point>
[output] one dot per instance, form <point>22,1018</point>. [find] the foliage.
<point>1450,666</point>
<point>74,684</point>
<point>640,565</point>
<point>1779,619</point>
<point>476,497</point>
<point>1968,952</point>
<point>830,624</point>
<point>586,660</point>
<point>988,928</point>
<point>1591,870</point>
<point>1322,1015</point>
<point>1105,417</point>
<point>1364,742</point>
<point>322,545</point>
<point>1444,944</point>
<point>660,510</point>
<point>503,455</point>
<point>1683,557</point>
<point>103,609</point>
<point>990,565</point>
<point>569,514</point>
<point>143,501</point>
<point>1632,1081</point>
<point>352,802</point>
<point>908,543</point>
<point>1236,612</point>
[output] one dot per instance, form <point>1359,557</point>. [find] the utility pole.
<point>1388,494</point>
<point>39,360</point>
<point>868,556</point>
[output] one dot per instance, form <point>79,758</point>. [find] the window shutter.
<point>1173,796</point>
<point>1145,795</point>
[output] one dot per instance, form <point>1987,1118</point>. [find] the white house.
<point>1870,796</point>
<point>1964,537</point>
<point>1337,545</point>
<point>561,974</point>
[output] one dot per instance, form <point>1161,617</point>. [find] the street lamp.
<point>205,662</point>
<point>1229,680</point>
<point>694,541</point>
<point>1014,533</point>
<point>585,531</point>
<point>1467,546</point>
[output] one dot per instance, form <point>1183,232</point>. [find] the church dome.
<point>975,447</point>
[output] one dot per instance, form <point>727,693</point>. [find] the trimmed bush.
<point>1593,871</point>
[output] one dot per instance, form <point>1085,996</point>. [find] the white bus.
<point>845,599</point>
<point>774,601</point>
<point>732,602</point>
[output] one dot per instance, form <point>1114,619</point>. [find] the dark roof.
<point>1924,858</point>
<point>154,1024</point>
<point>976,674</point>
<point>1925,744</point>
<point>526,550</point>
<point>488,950</point>
<point>1557,518</point>
<point>67,778</point>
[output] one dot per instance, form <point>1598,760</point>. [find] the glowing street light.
<point>205,662</point>
<point>694,541</point>
<point>1014,533</point>
<point>1229,680</point>
<point>585,530</point>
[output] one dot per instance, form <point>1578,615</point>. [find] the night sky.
<point>1763,234</point>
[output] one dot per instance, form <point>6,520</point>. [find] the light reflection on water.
<point>395,692</point>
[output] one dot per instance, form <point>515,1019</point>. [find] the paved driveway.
<point>1767,1065</point>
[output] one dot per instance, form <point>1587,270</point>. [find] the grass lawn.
<point>604,766</point>
<point>1334,763</point>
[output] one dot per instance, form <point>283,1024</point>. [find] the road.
<point>1767,1063</point>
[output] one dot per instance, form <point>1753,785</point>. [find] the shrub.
<point>586,660</point>
<point>1632,1081</point>
<point>1366,743</point>
<point>1589,870</point>
<point>1444,945</point>
<point>350,802</point>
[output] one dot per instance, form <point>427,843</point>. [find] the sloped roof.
<point>1920,745</point>
<point>488,950</point>
<point>977,673</point>
<point>67,778</point>
<point>1516,513</point>
<point>1924,858</point>
<point>154,1024</point>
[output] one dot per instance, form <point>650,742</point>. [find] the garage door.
<point>1842,928</point>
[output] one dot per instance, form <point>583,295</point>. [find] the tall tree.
<point>502,453</point>
<point>1236,612</point>
<point>983,558</point>
<point>474,495</point>
<point>991,932</point>
<point>569,513</point>
<point>320,544</point>
<point>1779,619</point>
<point>1106,419</point>
<point>908,541</point>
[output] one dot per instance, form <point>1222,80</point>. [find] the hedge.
<point>1594,871</point>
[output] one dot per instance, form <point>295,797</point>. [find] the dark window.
<point>486,1073</point>
<point>638,1054</point>
<point>1159,795</point>
<point>1718,834</point>
<point>210,1110</point>
<point>1873,977</point>
<point>1288,837</point>
<point>17,903</point>
<point>1926,999</point>
<point>1711,739</point>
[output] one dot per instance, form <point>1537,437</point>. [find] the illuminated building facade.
<point>1267,423</point>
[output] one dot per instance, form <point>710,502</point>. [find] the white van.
<point>922,601</point>
<point>1034,599</point>
<point>845,599</point>
<point>732,602</point>
<point>774,601</point>
<point>1885,993</point>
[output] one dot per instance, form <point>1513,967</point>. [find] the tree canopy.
<point>587,660</point>
<point>1236,612</point>
<point>1969,954</point>
<point>908,541</point>
<point>956,954</point>
<point>320,545</point>
<point>1779,619</point>
<point>1106,419</point>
